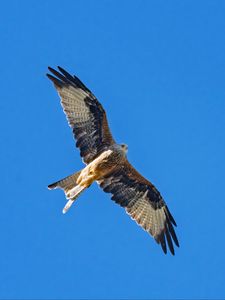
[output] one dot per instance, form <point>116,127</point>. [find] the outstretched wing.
<point>142,202</point>
<point>85,114</point>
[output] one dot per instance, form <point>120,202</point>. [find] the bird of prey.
<point>107,164</point>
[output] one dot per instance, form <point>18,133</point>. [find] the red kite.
<point>107,164</point>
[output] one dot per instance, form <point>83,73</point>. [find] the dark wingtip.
<point>61,69</point>
<point>164,248</point>
<point>53,71</point>
<point>63,79</point>
<point>169,241</point>
<point>168,213</point>
<point>167,237</point>
<point>173,234</point>
<point>66,78</point>
<point>67,75</point>
<point>55,80</point>
<point>160,239</point>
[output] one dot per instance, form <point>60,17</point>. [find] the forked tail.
<point>70,187</point>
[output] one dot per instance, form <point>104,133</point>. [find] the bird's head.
<point>124,148</point>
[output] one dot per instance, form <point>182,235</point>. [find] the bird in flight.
<point>107,164</point>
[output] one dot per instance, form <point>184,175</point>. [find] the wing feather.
<point>142,202</point>
<point>84,113</point>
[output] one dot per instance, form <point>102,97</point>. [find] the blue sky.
<point>158,69</point>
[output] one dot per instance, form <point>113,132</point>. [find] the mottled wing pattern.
<point>142,202</point>
<point>85,114</point>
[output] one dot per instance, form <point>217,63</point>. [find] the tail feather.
<point>66,183</point>
<point>70,187</point>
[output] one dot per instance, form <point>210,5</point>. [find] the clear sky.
<point>158,69</point>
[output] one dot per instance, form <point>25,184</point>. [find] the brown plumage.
<point>107,164</point>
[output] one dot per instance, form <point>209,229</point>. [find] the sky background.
<point>158,69</point>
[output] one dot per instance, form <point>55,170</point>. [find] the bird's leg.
<point>72,196</point>
<point>87,176</point>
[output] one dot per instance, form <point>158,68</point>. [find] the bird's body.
<point>103,164</point>
<point>107,164</point>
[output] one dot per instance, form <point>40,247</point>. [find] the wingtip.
<point>177,243</point>
<point>160,239</point>
<point>55,81</point>
<point>164,250</point>
<point>169,215</point>
<point>48,75</point>
<point>50,69</point>
<point>164,240</point>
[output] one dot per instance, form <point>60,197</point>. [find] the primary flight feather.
<point>107,164</point>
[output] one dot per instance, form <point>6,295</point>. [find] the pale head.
<point>124,148</point>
